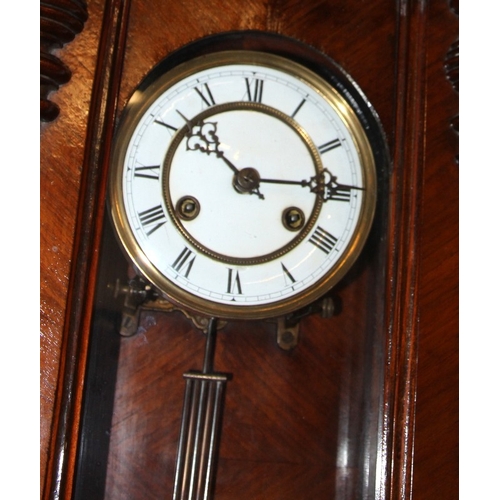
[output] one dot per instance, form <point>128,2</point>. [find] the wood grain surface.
<point>436,422</point>
<point>296,424</point>
<point>61,156</point>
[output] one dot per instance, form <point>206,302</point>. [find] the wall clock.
<point>243,185</point>
<point>311,421</point>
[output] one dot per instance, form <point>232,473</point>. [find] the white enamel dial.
<point>242,185</point>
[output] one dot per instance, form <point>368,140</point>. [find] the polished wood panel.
<point>67,413</point>
<point>436,422</point>
<point>405,42</point>
<point>61,156</point>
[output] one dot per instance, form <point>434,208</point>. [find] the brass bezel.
<point>139,104</point>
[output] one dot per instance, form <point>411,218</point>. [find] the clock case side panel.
<point>401,302</point>
<point>436,461</point>
<point>68,409</point>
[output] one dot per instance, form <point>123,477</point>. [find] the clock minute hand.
<point>283,181</point>
<point>324,184</point>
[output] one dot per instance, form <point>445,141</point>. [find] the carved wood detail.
<point>454,6</point>
<point>451,67</point>
<point>451,64</point>
<point>60,22</point>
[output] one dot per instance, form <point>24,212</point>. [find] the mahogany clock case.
<point>290,416</point>
<point>332,417</point>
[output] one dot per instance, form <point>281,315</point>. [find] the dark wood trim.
<point>401,350</point>
<point>90,215</point>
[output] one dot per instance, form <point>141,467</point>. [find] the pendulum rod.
<point>200,427</point>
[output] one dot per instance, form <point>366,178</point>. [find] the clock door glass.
<point>242,186</point>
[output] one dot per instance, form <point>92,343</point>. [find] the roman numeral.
<point>341,194</point>
<point>254,89</point>
<point>152,219</point>
<point>152,172</point>
<point>287,274</point>
<point>166,125</point>
<point>328,146</point>
<point>205,94</point>
<point>184,262</point>
<point>233,282</point>
<point>323,240</point>
<point>297,109</point>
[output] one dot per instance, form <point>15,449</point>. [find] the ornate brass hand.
<point>202,137</point>
<point>323,184</point>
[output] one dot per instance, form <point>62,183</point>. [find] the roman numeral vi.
<point>233,282</point>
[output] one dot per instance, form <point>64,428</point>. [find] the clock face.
<point>242,184</point>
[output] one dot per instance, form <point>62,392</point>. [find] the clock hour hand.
<point>324,184</point>
<point>201,136</point>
